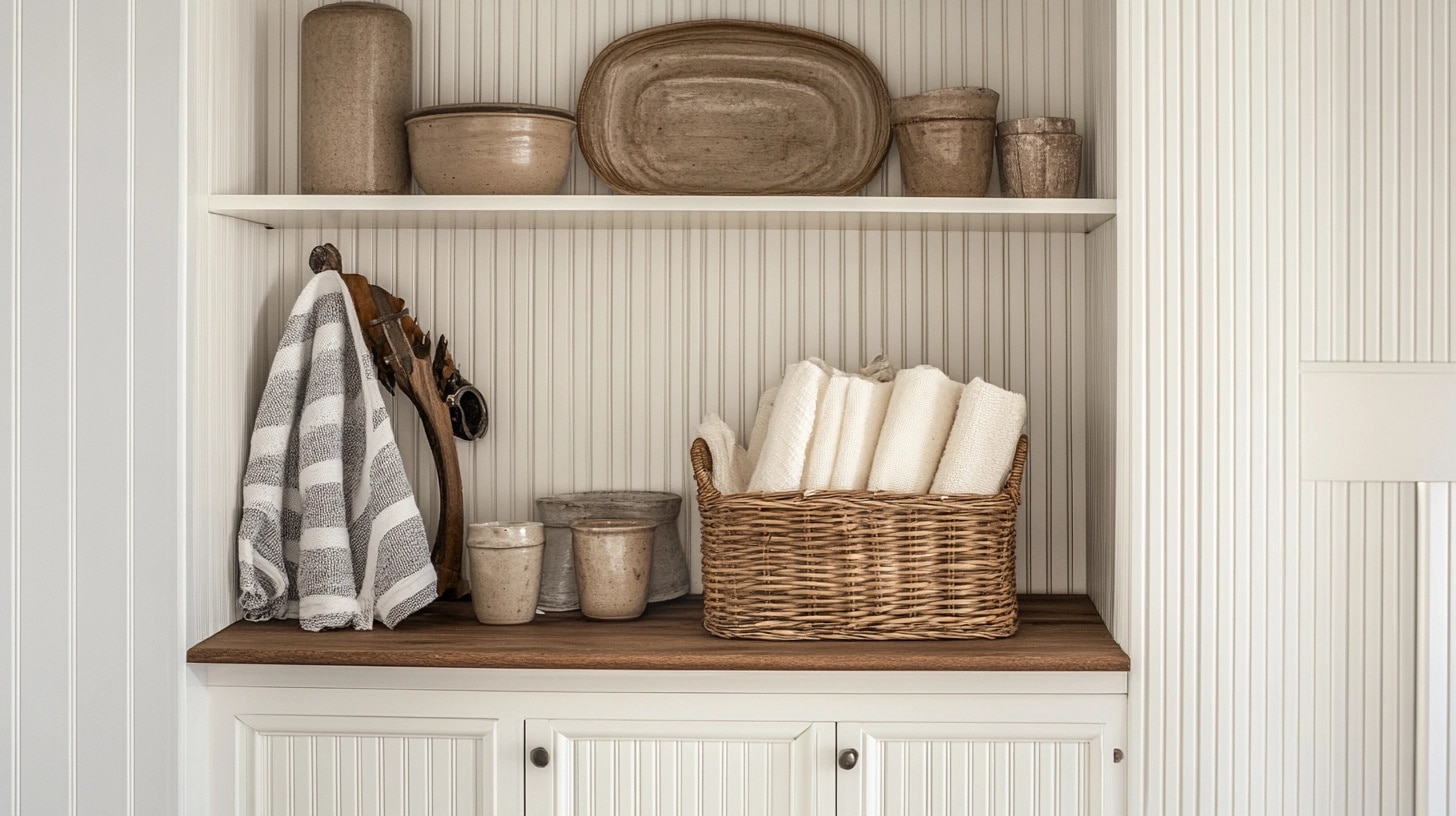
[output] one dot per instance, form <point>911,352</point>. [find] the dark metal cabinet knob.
<point>848,758</point>
<point>540,757</point>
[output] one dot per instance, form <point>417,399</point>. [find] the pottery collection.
<point>653,119</point>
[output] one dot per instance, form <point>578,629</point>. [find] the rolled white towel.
<point>824,444</point>
<point>729,459</point>
<point>865,403</point>
<point>982,443</point>
<point>922,408</point>
<point>760,429</point>
<point>780,463</point>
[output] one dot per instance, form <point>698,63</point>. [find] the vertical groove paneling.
<point>1271,622</point>
<point>599,350</point>
<point>623,776</point>
<point>919,777</point>
<point>1436,659</point>
<point>1382,100</point>
<point>91,554</point>
<point>299,767</point>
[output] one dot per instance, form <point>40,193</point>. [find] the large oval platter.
<point>729,107</point>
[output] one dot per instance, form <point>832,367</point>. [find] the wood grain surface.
<point>1058,633</point>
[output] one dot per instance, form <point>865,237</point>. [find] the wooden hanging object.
<point>447,403</point>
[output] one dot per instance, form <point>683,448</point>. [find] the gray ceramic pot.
<point>669,578</point>
<point>354,93</point>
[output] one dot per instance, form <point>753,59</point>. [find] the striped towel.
<point>330,532</point>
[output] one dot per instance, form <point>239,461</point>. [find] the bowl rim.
<point>492,108</point>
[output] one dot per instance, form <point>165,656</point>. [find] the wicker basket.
<point>856,565</point>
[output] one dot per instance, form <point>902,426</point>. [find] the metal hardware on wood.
<point>1117,754</point>
<point>848,758</point>
<point>540,757</point>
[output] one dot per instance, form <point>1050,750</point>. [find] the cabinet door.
<point>683,768</point>
<point>990,769</point>
<point>325,765</point>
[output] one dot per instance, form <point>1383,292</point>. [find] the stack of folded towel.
<point>914,431</point>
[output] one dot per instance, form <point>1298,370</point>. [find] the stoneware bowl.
<point>489,149</point>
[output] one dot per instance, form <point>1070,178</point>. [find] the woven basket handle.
<point>703,469</point>
<point>1018,464</point>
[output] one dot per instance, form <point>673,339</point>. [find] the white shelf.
<point>659,212</point>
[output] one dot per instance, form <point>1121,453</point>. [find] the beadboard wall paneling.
<point>91,560</point>
<point>334,766</point>
<point>1034,53</point>
<point>1380,168</point>
<point>1001,769</point>
<point>600,350</point>
<point>1436,652</point>
<point>1101,419</point>
<point>729,768</point>
<point>1270,621</point>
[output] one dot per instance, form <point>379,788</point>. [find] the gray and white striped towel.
<point>330,532</point>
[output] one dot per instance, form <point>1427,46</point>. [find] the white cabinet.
<point>1000,769</point>
<point>621,767</point>
<point>321,741</point>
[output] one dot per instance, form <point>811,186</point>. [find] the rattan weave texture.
<point>856,565</point>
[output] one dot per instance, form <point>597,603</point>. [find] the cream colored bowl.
<point>490,149</point>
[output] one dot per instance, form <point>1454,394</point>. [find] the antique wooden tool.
<point>446,402</point>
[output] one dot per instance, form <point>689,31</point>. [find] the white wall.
<point>1286,197</point>
<point>90,563</point>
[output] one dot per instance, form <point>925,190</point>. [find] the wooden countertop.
<point>1057,633</point>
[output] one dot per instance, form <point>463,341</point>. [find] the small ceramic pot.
<point>505,570</point>
<point>1040,157</point>
<point>354,91</point>
<point>488,149</point>
<point>669,560</point>
<point>946,140</point>
<point>613,560</point>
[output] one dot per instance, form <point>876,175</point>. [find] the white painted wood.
<point>928,685</point>
<point>91,559</point>
<point>1436,651</point>
<point>1392,422</point>
<point>1269,213</point>
<point>335,765</point>
<point>997,768</point>
<point>687,767</point>
<point>664,212</point>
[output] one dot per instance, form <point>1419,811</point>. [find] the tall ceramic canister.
<point>947,141</point>
<point>354,94</point>
<point>669,575</point>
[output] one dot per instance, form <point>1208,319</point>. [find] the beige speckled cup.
<point>505,570</point>
<point>613,561</point>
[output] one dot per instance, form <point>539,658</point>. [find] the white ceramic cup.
<point>505,570</point>
<point>613,562</point>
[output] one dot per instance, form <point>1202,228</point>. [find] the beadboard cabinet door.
<point>684,768</point>
<point>986,769</point>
